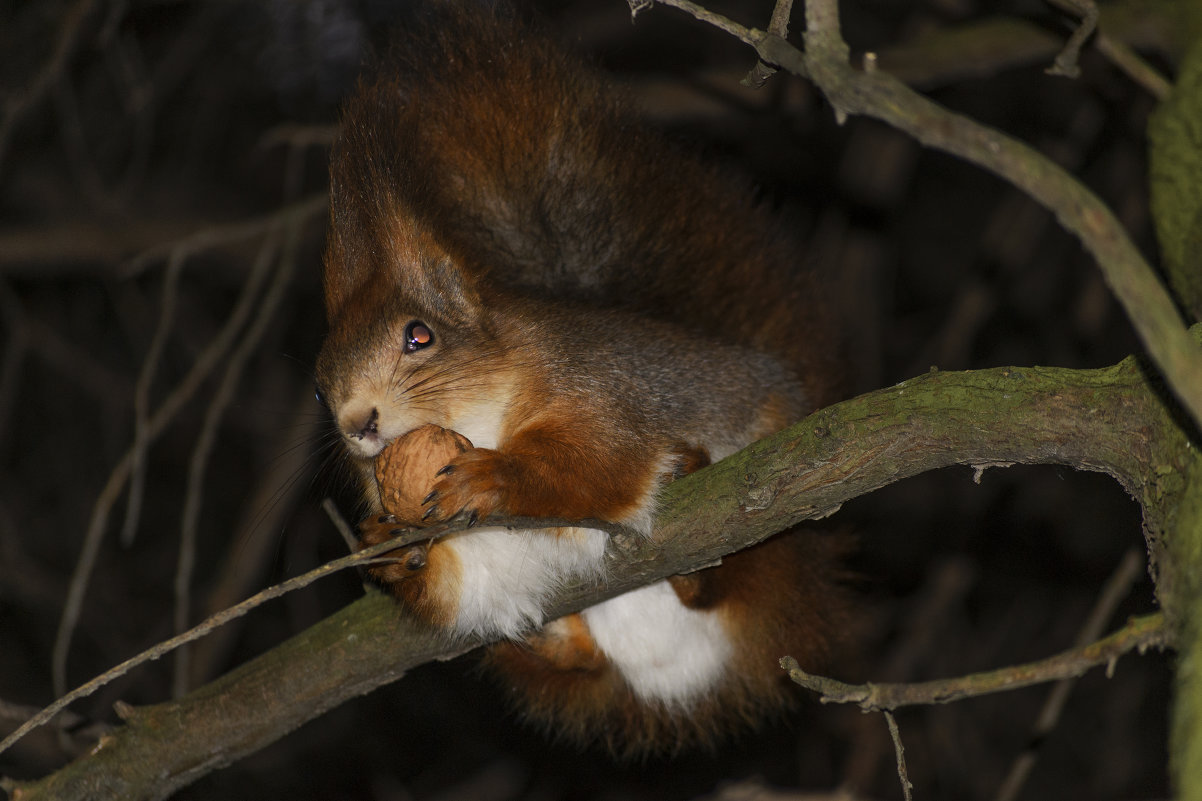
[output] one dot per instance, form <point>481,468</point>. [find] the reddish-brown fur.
<point>508,195</point>
<point>416,575</point>
<point>540,472</point>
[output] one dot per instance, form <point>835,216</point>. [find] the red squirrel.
<point>513,255</point>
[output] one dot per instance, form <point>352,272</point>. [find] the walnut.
<point>405,470</point>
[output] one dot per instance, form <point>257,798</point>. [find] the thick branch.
<point>876,94</point>
<point>1108,420</point>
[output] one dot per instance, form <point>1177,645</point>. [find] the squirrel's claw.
<point>403,563</point>
<point>470,487</point>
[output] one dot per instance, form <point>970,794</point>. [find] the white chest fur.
<point>667,652</point>
<point>508,576</point>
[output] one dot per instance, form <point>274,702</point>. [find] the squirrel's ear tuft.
<point>443,286</point>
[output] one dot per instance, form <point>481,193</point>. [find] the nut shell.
<point>405,470</point>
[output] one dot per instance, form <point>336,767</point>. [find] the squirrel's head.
<point>409,342</point>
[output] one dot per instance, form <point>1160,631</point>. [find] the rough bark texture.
<point>1109,420</point>
<point>1175,177</point>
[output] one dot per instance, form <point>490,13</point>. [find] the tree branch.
<point>1140,633</point>
<point>876,94</point>
<point>1110,420</point>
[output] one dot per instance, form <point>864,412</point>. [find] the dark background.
<point>163,119</point>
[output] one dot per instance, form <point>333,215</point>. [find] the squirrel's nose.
<point>362,425</point>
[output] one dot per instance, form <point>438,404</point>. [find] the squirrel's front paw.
<point>473,484</point>
<point>405,561</point>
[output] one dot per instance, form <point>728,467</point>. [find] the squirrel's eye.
<point>320,397</point>
<point>417,336</point>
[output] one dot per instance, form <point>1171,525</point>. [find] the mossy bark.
<point>1111,420</point>
<point>1175,178</point>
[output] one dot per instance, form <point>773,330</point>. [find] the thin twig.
<point>68,40</point>
<point>217,235</point>
<point>1066,61</point>
<point>144,434</point>
<point>920,626</point>
<point>75,729</point>
<point>782,12</point>
<point>204,365</point>
<point>746,35</point>
<point>1123,56</point>
<point>365,557</point>
<point>150,365</point>
<point>1140,633</point>
<point>900,751</point>
<point>222,397</point>
<point>1116,589</point>
<point>373,555</point>
<point>343,527</point>
<point>297,135</point>
<point>76,146</point>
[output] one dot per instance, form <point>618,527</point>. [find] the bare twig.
<point>1124,57</point>
<point>78,730</point>
<point>205,364</point>
<point>367,556</point>
<point>84,566</point>
<point>85,173</point>
<point>222,397</point>
<point>70,362</point>
<point>11,713</point>
<point>150,365</point>
<point>295,135</point>
<point>745,35</point>
<point>1113,593</point>
<point>219,235</point>
<point>900,751</point>
<point>921,624</point>
<point>68,40</point>
<point>1140,633</point>
<point>344,528</point>
<point>1066,61</point>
